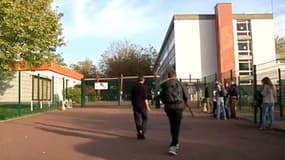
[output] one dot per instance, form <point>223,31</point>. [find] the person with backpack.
<point>140,107</point>
<point>174,96</point>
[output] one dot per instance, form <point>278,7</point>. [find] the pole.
<point>53,95</point>
<point>83,93</point>
<point>19,93</point>
<point>254,93</point>
<point>98,91</point>
<point>39,90</point>
<point>121,88</point>
<point>280,92</point>
<point>156,93</point>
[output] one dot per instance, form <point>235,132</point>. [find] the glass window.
<point>41,88</point>
<point>242,46</point>
<point>243,66</point>
<point>243,27</point>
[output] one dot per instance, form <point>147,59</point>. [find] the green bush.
<point>74,94</point>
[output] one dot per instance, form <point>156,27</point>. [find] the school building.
<point>47,83</point>
<point>200,45</point>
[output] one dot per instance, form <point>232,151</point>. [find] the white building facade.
<point>202,45</point>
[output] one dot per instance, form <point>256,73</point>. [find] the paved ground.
<point>108,134</point>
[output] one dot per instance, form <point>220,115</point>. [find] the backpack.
<point>172,92</point>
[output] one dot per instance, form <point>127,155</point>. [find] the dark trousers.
<point>214,108</point>
<point>140,120</point>
<point>260,116</point>
<point>233,102</point>
<point>175,117</point>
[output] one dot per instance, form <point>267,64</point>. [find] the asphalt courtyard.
<point>108,133</point>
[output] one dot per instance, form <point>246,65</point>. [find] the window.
<point>41,90</point>
<point>245,47</point>
<point>245,65</point>
<point>243,27</point>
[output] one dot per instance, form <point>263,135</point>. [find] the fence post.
<point>119,91</point>
<point>66,88</point>
<point>239,88</point>
<point>53,96</point>
<point>254,93</point>
<point>231,75</point>
<point>63,89</point>
<point>83,88</point>
<point>38,90</point>
<point>19,93</point>
<point>156,92</point>
<point>280,92</point>
<point>198,93</point>
<point>216,76</point>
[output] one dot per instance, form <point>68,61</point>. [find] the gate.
<point>116,89</point>
<point>193,88</point>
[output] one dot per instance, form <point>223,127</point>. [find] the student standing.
<point>268,100</point>
<point>140,107</point>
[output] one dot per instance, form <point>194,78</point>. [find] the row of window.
<point>244,48</point>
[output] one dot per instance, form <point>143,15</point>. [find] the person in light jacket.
<point>268,100</point>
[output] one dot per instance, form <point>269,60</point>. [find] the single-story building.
<point>47,83</point>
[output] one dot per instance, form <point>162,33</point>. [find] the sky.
<point>91,26</point>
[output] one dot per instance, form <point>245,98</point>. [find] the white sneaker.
<point>173,150</point>
<point>177,146</point>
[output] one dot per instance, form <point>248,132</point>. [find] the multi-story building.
<point>201,45</point>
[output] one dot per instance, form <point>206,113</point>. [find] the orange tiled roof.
<point>54,67</point>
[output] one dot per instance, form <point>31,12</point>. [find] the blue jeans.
<point>227,106</point>
<point>267,108</point>
<point>221,107</point>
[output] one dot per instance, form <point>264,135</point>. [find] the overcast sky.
<point>90,26</point>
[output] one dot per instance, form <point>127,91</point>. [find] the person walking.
<point>140,107</point>
<point>174,96</point>
<point>268,100</point>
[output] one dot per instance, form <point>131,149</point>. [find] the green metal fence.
<point>119,89</point>
<point>248,85</point>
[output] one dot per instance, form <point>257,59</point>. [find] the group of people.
<point>174,96</point>
<point>224,100</point>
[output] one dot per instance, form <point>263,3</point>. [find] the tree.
<point>30,31</point>
<point>125,58</point>
<point>86,67</point>
<point>280,47</point>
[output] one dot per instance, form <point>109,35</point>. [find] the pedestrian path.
<point>108,133</point>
